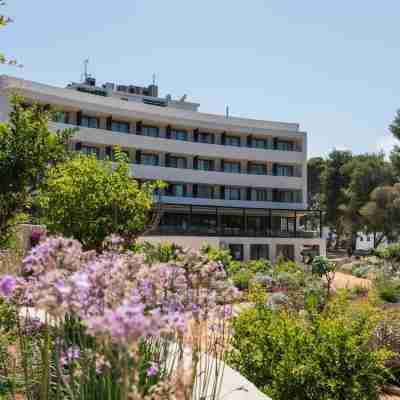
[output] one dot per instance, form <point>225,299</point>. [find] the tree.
<point>27,149</point>
<point>334,182</point>
<point>4,21</point>
<point>382,213</point>
<point>88,200</point>
<point>395,126</point>
<point>315,172</point>
<point>366,172</point>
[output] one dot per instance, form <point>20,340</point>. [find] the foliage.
<point>329,356</point>
<point>242,279</point>
<point>315,173</point>
<point>216,254</point>
<point>387,288</point>
<point>89,200</point>
<point>4,21</point>
<point>159,252</point>
<point>336,179</point>
<point>27,149</point>
<point>391,256</point>
<point>395,126</point>
<point>366,172</point>
<point>382,212</point>
<point>119,327</point>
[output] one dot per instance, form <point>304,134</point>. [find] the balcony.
<point>130,140</point>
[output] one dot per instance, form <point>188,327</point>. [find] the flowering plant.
<point>116,324</point>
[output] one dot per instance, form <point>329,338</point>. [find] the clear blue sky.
<point>332,66</point>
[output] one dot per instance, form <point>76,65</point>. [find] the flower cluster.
<point>117,296</point>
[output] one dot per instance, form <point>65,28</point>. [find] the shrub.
<point>291,357</point>
<point>388,289</point>
<point>362,271</point>
<point>242,279</point>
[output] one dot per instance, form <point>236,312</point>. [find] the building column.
<point>272,252</point>
<point>189,162</point>
<point>163,132</point>
<point>132,127</point>
<point>243,166</point>
<point>246,252</point>
<point>243,193</point>
<point>190,135</point>
<point>161,159</point>
<point>102,123</point>
<point>298,247</point>
<point>189,190</point>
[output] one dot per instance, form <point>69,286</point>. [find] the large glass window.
<point>259,251</point>
<point>177,162</point>
<point>286,251</point>
<point>236,251</point>
<point>149,159</point>
<point>90,122</point>
<point>232,141</point>
<point>205,191</point>
<point>231,221</point>
<point>259,143</point>
<point>232,193</point>
<point>61,117</point>
<point>232,167</point>
<point>284,170</point>
<point>205,137</point>
<point>205,165</point>
<point>179,134</point>
<point>204,220</point>
<point>288,196</point>
<point>284,145</point>
<point>152,131</point>
<point>176,190</point>
<point>91,151</point>
<point>119,126</point>
<point>263,195</point>
<point>257,169</point>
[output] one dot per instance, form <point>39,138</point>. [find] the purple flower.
<point>152,370</point>
<point>7,285</point>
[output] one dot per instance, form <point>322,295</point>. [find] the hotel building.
<point>233,182</point>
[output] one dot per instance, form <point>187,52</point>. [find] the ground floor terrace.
<point>248,233</point>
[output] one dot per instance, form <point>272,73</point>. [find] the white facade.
<point>237,162</point>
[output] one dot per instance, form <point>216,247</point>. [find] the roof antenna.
<point>85,66</point>
<point>227,112</point>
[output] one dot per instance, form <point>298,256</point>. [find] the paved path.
<point>346,281</point>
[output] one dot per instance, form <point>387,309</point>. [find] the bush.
<point>362,271</point>
<point>291,357</point>
<point>388,289</point>
<point>242,279</point>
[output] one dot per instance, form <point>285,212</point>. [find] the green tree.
<point>90,199</point>
<point>315,173</point>
<point>366,172</point>
<point>27,149</point>
<point>382,213</point>
<point>394,128</point>
<point>335,181</point>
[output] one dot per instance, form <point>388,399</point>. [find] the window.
<point>178,135</point>
<point>258,251</point>
<point>286,251</point>
<point>91,151</point>
<point>90,122</point>
<point>284,145</point>
<point>288,196</point>
<point>263,195</point>
<point>232,193</point>
<point>236,251</point>
<point>284,170</point>
<point>61,117</point>
<point>176,162</point>
<point>149,159</point>
<point>205,165</point>
<point>151,131</point>
<point>259,143</point>
<point>232,141</point>
<point>205,191</point>
<point>257,169</point>
<point>204,137</point>
<point>176,190</point>
<point>119,126</point>
<point>232,167</point>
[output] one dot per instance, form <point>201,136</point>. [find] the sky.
<point>332,66</point>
